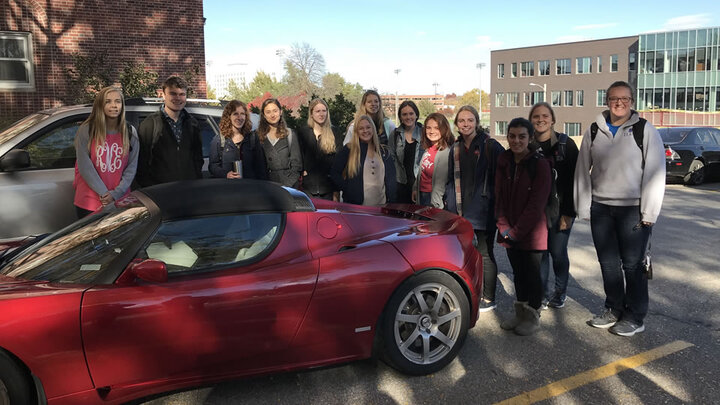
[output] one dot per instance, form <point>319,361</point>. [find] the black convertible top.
<point>224,196</point>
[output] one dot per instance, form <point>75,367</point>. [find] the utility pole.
<point>436,86</point>
<point>397,77</point>
<point>480,67</point>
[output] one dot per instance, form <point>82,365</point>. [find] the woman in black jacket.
<point>363,169</point>
<point>319,141</point>
<point>236,143</point>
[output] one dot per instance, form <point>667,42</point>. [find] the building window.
<point>513,70</point>
<point>501,127</point>
<point>544,68</point>
<point>512,99</point>
<point>584,65</point>
<point>16,67</point>
<point>499,99</point>
<point>613,63</point>
<point>632,61</point>
<point>580,98</point>
<point>600,101</point>
<point>568,94</point>
<point>599,64</point>
<point>527,69</point>
<point>562,67</point>
<point>527,95</point>
<point>572,129</point>
<point>555,96</point>
<point>501,70</point>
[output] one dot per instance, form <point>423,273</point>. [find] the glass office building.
<point>679,77</point>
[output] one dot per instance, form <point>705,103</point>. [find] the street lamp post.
<point>544,87</point>
<point>397,76</point>
<point>480,67</point>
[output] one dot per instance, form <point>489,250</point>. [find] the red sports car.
<point>191,283</point>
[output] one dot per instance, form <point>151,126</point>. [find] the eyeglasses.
<point>624,100</point>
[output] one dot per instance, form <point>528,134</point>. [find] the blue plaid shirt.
<point>175,126</point>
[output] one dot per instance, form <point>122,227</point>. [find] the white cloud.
<point>594,26</point>
<point>687,22</point>
<point>420,34</point>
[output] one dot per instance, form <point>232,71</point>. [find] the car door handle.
<point>346,247</point>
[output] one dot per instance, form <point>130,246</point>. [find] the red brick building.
<point>38,39</point>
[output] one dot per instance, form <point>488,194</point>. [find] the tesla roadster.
<point>192,283</point>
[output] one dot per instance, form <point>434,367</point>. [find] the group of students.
<point>504,194</point>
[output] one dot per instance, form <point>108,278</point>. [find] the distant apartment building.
<point>220,75</point>
<point>388,101</point>
<point>676,76</point>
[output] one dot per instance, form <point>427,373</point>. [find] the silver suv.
<point>37,162</point>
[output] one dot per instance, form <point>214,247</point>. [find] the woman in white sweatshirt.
<point>619,187</point>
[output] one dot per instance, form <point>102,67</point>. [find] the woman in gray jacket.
<point>406,148</point>
<point>436,140</point>
<point>282,150</point>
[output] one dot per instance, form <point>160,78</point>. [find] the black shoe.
<point>627,328</point>
<point>486,305</point>
<point>556,301</point>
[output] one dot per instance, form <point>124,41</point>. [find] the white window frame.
<point>28,61</point>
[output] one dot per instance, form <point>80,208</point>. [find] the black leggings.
<point>526,275</point>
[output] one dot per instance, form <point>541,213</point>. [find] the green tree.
<point>87,76</point>
<point>334,84</point>
<point>471,98</point>
<point>262,83</point>
<point>342,111</point>
<point>426,108</point>
<point>234,92</point>
<point>211,94</point>
<point>137,81</point>
<point>305,68</point>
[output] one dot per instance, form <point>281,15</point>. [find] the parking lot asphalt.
<point>567,362</point>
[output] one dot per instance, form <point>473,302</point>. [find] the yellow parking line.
<point>570,383</point>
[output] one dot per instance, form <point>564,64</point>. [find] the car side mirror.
<point>150,270</point>
<point>14,160</point>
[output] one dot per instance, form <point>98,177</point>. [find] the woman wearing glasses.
<point>619,187</point>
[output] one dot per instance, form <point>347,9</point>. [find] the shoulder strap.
<point>593,132</point>
<point>456,167</point>
<point>638,129</point>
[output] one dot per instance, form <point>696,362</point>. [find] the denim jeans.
<point>425,199</point>
<point>485,240</point>
<point>558,251</point>
<point>620,245</point>
<point>526,275</point>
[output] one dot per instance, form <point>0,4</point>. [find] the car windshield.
<point>82,251</point>
<point>673,135</point>
<point>22,125</point>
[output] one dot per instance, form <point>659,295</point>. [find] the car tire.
<point>696,174</point>
<point>14,384</point>
<point>421,334</point>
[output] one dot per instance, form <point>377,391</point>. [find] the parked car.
<point>692,153</point>
<point>37,160</point>
<point>189,283</point>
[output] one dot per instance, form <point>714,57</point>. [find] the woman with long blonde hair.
<point>363,169</point>
<point>371,105</point>
<point>319,141</point>
<point>236,145</point>
<point>107,150</point>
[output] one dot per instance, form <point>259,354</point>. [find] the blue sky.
<point>429,41</point>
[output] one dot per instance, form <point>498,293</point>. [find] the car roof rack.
<point>158,101</point>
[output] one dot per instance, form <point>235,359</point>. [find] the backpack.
<point>638,130</point>
<point>552,207</point>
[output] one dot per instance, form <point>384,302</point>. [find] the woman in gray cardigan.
<point>436,140</point>
<point>282,150</point>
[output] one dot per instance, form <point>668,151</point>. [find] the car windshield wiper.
<point>9,253</point>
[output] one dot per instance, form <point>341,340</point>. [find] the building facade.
<point>676,75</point>
<point>572,77</point>
<point>679,77</point>
<point>39,38</point>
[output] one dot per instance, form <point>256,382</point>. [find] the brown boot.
<point>530,322</point>
<point>512,323</point>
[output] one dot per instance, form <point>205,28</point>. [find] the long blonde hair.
<point>327,137</point>
<point>96,121</point>
<point>353,165</point>
<point>379,117</point>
